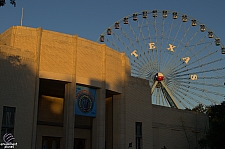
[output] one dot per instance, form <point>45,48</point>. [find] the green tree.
<point>201,108</point>
<point>2,3</point>
<point>215,136</point>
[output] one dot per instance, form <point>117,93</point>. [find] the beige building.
<point>41,70</point>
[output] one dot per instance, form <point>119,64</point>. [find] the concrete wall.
<point>18,89</point>
<point>138,109</point>
<point>60,56</point>
<point>25,38</point>
<point>5,37</point>
<point>58,53</point>
<point>176,128</point>
<point>27,54</point>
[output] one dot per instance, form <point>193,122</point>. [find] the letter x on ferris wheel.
<point>181,57</point>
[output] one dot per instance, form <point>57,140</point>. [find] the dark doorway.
<point>79,143</point>
<point>50,143</point>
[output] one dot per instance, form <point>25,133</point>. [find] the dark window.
<point>138,134</point>
<point>8,120</point>
<point>50,142</point>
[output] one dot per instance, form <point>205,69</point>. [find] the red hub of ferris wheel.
<point>159,76</point>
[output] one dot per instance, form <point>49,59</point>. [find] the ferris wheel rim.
<point>150,12</point>
<point>151,73</point>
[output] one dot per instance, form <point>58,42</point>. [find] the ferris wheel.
<point>180,57</point>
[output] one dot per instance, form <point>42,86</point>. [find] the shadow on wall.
<point>17,90</point>
<point>17,77</point>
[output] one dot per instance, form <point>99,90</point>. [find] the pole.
<point>21,20</point>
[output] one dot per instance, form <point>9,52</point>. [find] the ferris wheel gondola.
<point>179,55</point>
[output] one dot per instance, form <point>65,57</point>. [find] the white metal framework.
<point>179,56</point>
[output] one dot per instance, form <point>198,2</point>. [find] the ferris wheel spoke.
<point>169,31</point>
<point>200,66</point>
<point>177,58</point>
<point>203,78</point>
<point>203,71</point>
<point>200,96</point>
<point>135,69</point>
<point>203,90</point>
<point>180,67</point>
<point>156,41</point>
<point>143,39</point>
<point>179,96</point>
<point>198,60</point>
<point>135,66</point>
<point>114,45</point>
<point>214,77</point>
<point>148,30</point>
<point>181,40</point>
<point>169,34</point>
<point>161,44</point>
<point>204,57</point>
<point>124,44</point>
<point>143,61</point>
<point>184,47</point>
<point>152,55</point>
<point>185,93</point>
<point>147,69</point>
<point>205,84</point>
<point>136,73</point>
<point>175,39</point>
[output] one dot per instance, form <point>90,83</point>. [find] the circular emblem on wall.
<point>85,101</point>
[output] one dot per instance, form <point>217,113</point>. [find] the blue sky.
<point>89,18</point>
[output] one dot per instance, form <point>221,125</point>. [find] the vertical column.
<point>69,104</point>
<point>36,96</point>
<point>69,116</point>
<point>98,127</point>
<point>109,123</point>
<point>119,121</point>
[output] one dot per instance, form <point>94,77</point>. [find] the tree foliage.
<point>215,136</point>
<point>201,108</point>
<point>2,3</point>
